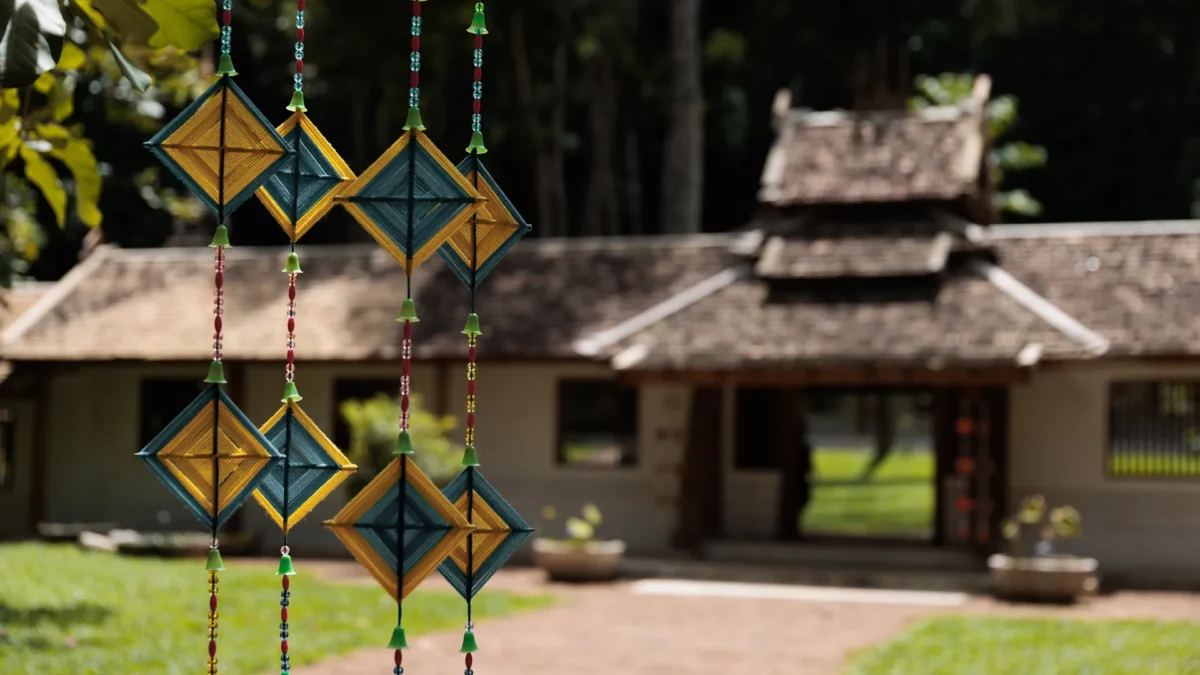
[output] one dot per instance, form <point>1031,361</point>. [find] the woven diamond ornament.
<point>412,199</point>
<point>312,468</point>
<point>212,485</point>
<point>499,532</point>
<point>496,228</point>
<point>221,147</point>
<point>302,191</point>
<point>371,528</point>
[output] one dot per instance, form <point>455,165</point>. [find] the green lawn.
<point>992,646</point>
<point>873,508</point>
<point>66,612</point>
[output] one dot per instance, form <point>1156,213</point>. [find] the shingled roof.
<point>155,304</point>
<point>843,157</point>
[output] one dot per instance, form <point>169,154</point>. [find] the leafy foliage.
<point>374,424</point>
<point>1063,522</point>
<point>582,528</point>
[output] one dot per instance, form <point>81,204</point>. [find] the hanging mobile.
<point>472,253</point>
<point>298,195</point>
<point>211,455</point>
<point>411,200</point>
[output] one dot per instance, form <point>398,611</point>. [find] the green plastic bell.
<point>470,457</point>
<point>399,641</point>
<point>214,564</point>
<point>285,566</point>
<point>404,444</point>
<point>293,264</point>
<point>225,66</point>
<point>472,327</point>
<point>414,120</point>
<point>478,23</point>
<point>220,237</point>
<point>469,644</point>
<point>291,393</point>
<point>408,312</point>
<point>297,104</point>
<point>216,373</point>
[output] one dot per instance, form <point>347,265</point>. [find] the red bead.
<point>300,35</point>
<point>220,279</point>
<point>406,366</point>
<point>299,65</point>
<point>469,660</point>
<point>399,657</point>
<point>217,324</point>
<point>407,330</point>
<point>478,41</point>
<point>292,292</point>
<point>291,325</point>
<point>212,602</point>
<point>212,648</point>
<point>416,43</point>
<point>470,420</point>
<point>286,583</point>
<point>478,74</point>
<point>416,7</point>
<point>300,6</point>
<point>471,353</point>
<point>227,17</point>
<point>404,403</point>
<point>471,387</point>
<point>291,356</point>
<point>283,646</point>
<point>478,105</point>
<point>283,614</point>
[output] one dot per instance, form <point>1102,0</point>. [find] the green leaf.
<point>41,174</point>
<point>186,24</point>
<point>1019,156</point>
<point>79,160</point>
<point>138,78</point>
<point>591,513</point>
<point>580,529</point>
<point>33,38</point>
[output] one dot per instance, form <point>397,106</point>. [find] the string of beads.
<point>218,300</point>
<point>285,597</point>
<point>471,370</point>
<point>212,622</point>
<point>299,77</point>
<point>414,92</point>
<point>226,30</point>
<point>290,368</point>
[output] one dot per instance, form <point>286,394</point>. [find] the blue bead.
<point>299,50</point>
<point>283,634</point>
<point>283,626</point>
<point>398,670</point>
<point>299,19</point>
<point>228,4</point>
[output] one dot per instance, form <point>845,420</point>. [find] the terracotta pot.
<point>574,561</point>
<point>1044,578</point>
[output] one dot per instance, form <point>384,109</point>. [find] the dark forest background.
<point>582,99</point>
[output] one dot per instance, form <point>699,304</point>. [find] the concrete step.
<point>918,557</point>
<point>841,576</point>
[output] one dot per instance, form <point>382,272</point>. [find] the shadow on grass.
<point>62,617</point>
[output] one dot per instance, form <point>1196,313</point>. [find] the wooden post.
<point>701,497</point>
<point>787,526</point>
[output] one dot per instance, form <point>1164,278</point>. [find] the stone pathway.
<point>599,630</point>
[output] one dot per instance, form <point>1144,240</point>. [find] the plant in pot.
<point>579,556</point>
<point>1034,570</point>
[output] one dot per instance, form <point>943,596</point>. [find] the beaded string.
<point>414,88</point>
<point>470,457</point>
<point>212,622</point>
<point>298,79</point>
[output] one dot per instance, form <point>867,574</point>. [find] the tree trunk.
<point>601,214</point>
<point>683,162</point>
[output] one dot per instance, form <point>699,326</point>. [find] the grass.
<point>64,611</point>
<point>995,646</point>
<point>885,505</point>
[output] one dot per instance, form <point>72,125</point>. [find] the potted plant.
<point>1034,570</point>
<point>579,556</point>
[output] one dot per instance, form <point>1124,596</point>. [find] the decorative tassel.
<point>216,373</point>
<point>399,641</point>
<point>297,104</point>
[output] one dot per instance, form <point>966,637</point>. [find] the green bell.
<point>398,640</point>
<point>470,457</point>
<point>291,393</point>
<point>297,104</point>
<point>285,566</point>
<point>478,25</point>
<point>408,311</point>
<point>472,325</point>
<point>225,66</point>
<point>216,373</point>
<point>477,145</point>
<point>214,564</point>
<point>220,237</point>
<point>293,264</point>
<point>469,643</point>
<point>414,120</point>
<point>404,444</point>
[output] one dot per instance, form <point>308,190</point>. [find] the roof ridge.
<point>53,296</point>
<point>1128,228</point>
<point>1091,341</point>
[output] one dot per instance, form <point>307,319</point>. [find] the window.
<point>357,390</point>
<point>1154,430</point>
<point>759,421</point>
<point>162,400</point>
<point>8,475</point>
<point>597,424</point>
